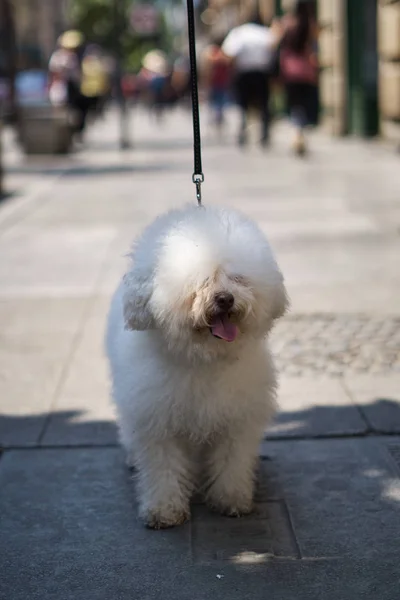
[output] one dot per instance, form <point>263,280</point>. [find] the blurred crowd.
<point>162,82</point>
<point>82,77</point>
<point>255,60</point>
<point>251,66</point>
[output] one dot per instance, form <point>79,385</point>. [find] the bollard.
<point>45,130</point>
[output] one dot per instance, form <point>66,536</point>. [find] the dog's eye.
<point>239,279</point>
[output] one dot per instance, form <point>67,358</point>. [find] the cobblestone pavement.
<point>337,344</point>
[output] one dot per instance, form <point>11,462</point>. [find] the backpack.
<point>220,70</point>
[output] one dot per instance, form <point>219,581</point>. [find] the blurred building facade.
<point>389,68</point>
<point>28,34</point>
<point>38,23</point>
<point>360,60</point>
<point>219,16</point>
<point>359,50</point>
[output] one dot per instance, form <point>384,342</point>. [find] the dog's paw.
<point>237,511</point>
<point>162,520</point>
<point>231,510</point>
<point>230,502</point>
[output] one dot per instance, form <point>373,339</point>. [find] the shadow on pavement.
<point>321,506</point>
<point>72,428</point>
<point>380,417</point>
<point>88,170</point>
<point>58,429</point>
<point>7,195</point>
<point>140,145</point>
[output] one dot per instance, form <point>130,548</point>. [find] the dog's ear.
<point>280,300</point>
<point>136,296</point>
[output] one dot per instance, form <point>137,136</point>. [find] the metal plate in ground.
<point>255,538</point>
<point>394,450</point>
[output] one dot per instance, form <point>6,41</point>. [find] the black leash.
<point>198,176</point>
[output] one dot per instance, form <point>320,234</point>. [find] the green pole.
<point>1,161</point>
<point>278,8</point>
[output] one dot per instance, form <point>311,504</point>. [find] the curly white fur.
<point>193,408</point>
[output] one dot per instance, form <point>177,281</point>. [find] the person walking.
<point>64,70</point>
<point>299,70</point>
<point>251,49</point>
<point>217,78</point>
<point>156,73</point>
<point>94,83</point>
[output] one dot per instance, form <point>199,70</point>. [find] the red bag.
<point>298,68</point>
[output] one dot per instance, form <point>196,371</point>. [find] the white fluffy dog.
<point>193,378</point>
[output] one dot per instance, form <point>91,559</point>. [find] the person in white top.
<point>251,48</point>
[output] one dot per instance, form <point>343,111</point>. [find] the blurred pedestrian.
<point>216,74</point>
<point>94,82</point>
<point>299,70</point>
<point>251,47</point>
<point>180,79</point>
<point>156,73</point>
<point>64,70</point>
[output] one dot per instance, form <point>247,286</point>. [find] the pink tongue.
<point>222,327</point>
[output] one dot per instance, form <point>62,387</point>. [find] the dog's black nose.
<point>224,300</point>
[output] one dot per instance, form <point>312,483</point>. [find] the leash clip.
<point>198,179</point>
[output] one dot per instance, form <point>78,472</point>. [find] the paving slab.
<point>36,340</point>
<point>58,262</point>
<point>83,413</point>
<point>379,399</point>
<point>21,316</point>
<point>117,262</point>
<point>343,495</point>
<point>113,202</point>
<point>314,407</point>
<point>29,379</point>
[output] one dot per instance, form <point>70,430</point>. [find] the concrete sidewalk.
<point>327,523</point>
